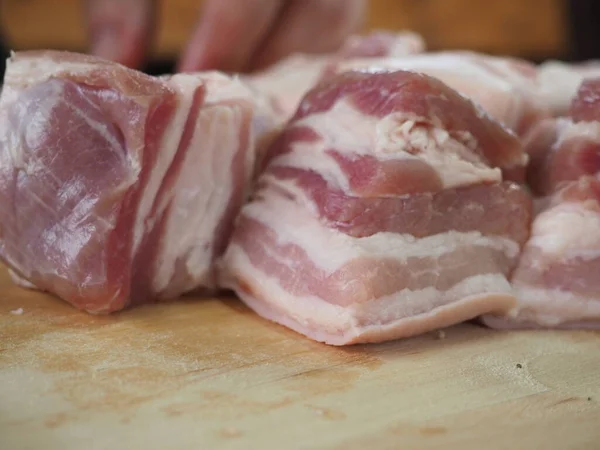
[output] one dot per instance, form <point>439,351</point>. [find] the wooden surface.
<point>527,28</point>
<point>210,374</point>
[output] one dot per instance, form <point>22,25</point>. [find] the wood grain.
<point>526,28</point>
<point>210,374</point>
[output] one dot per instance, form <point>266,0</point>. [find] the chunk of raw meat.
<point>506,88</point>
<point>118,188</point>
<point>559,82</point>
<point>383,213</point>
<point>556,280</point>
<point>561,151</point>
<point>586,104</point>
<point>290,79</point>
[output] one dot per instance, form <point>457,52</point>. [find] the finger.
<point>228,33</point>
<point>311,26</point>
<point>121,30</point>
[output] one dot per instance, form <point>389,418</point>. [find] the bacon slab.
<point>117,188</point>
<point>383,212</point>
<point>556,280</point>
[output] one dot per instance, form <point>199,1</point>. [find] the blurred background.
<point>533,29</point>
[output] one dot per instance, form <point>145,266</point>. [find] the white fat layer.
<point>318,314</point>
<point>566,231</point>
<point>499,96</point>
<point>29,71</point>
<point>197,209</point>
<point>276,212</point>
<point>570,130</point>
<point>553,307</point>
<point>560,82</point>
<point>395,137</point>
<point>185,87</point>
<point>442,64</point>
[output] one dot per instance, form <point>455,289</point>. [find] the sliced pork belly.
<point>118,188</point>
<point>383,213</point>
<point>556,279</point>
<point>290,79</point>
<point>505,88</point>
<point>563,149</point>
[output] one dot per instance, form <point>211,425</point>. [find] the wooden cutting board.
<point>205,374</point>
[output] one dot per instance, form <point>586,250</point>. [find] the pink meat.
<point>287,81</point>
<point>556,280</point>
<point>341,243</point>
<point>586,104</point>
<point>117,188</point>
<point>506,88</point>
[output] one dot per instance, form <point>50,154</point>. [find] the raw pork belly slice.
<point>383,213</point>
<point>119,188</point>
<point>556,281</point>
<point>290,79</point>
<point>506,88</point>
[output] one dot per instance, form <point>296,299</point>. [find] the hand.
<point>231,35</point>
<point>121,30</point>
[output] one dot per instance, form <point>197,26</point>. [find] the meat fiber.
<point>118,188</point>
<point>506,88</point>
<point>289,80</point>
<point>384,212</point>
<point>556,279</point>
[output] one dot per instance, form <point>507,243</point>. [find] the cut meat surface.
<point>556,280</point>
<point>507,89</point>
<point>383,213</point>
<point>100,198</point>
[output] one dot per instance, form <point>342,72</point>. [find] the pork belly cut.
<point>287,81</point>
<point>506,88</point>
<point>563,149</point>
<point>383,212</point>
<point>560,81</point>
<point>556,280</point>
<point>117,188</point>
<point>586,104</point>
